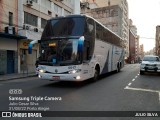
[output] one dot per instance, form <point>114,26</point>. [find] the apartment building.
<point>141,51</point>
<point>9,36</point>
<point>132,52</point>
<point>133,29</point>
<point>137,48</point>
<point>88,4</point>
<point>26,20</point>
<point>113,14</point>
<point>157,41</point>
<point>150,52</point>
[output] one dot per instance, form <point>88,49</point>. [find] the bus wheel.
<point>118,68</point>
<point>96,74</point>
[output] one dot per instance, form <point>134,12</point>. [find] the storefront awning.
<point>11,36</point>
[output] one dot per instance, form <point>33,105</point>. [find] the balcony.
<point>32,35</point>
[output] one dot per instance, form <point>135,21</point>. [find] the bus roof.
<point>68,16</point>
<point>84,15</point>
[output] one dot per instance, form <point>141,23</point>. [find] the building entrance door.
<point>10,61</point>
<point>28,61</point>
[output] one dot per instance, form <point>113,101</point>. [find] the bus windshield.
<point>64,27</point>
<point>59,52</point>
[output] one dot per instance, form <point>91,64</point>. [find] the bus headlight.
<point>42,71</point>
<point>78,78</point>
<point>74,71</point>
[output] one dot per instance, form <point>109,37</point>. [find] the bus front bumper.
<point>61,77</point>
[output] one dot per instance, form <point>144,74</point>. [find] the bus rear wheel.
<point>118,68</point>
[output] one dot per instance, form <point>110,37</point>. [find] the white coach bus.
<point>77,48</point>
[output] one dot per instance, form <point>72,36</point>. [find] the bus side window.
<point>99,31</point>
<point>90,27</point>
<point>86,55</point>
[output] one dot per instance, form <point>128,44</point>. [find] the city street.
<point>46,44</point>
<point>124,91</point>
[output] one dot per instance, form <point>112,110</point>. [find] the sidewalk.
<point>16,76</point>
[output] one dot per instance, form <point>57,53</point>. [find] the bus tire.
<point>118,68</point>
<point>96,74</point>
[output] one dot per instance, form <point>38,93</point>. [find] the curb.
<point>13,78</point>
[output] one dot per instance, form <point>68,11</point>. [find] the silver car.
<point>150,63</point>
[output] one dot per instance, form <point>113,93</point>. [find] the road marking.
<point>129,84</point>
<point>126,87</point>
<point>145,90</point>
<point>133,80</point>
<point>141,89</point>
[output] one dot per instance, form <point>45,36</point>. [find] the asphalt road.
<point>123,91</point>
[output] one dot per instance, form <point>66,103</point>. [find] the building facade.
<point>113,14</point>
<point>133,29</point>
<point>132,49</point>
<point>9,37</point>
<point>157,48</point>
<point>150,52</point>
<point>88,4</point>
<point>141,51</point>
<point>22,21</point>
<point>137,48</point>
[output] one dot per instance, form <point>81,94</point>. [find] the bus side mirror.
<point>30,49</point>
<point>80,44</point>
<point>30,46</point>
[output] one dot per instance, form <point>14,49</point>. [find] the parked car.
<point>150,63</point>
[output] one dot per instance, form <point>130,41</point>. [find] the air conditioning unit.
<point>35,29</point>
<point>10,30</point>
<point>87,5</point>
<point>26,27</point>
<point>84,5</point>
<point>29,2</point>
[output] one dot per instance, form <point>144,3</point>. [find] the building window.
<point>115,13</point>
<point>43,23</point>
<point>30,19</point>
<point>46,4</point>
<point>58,9</point>
<point>10,18</point>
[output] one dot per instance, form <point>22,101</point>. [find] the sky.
<point>145,15</point>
